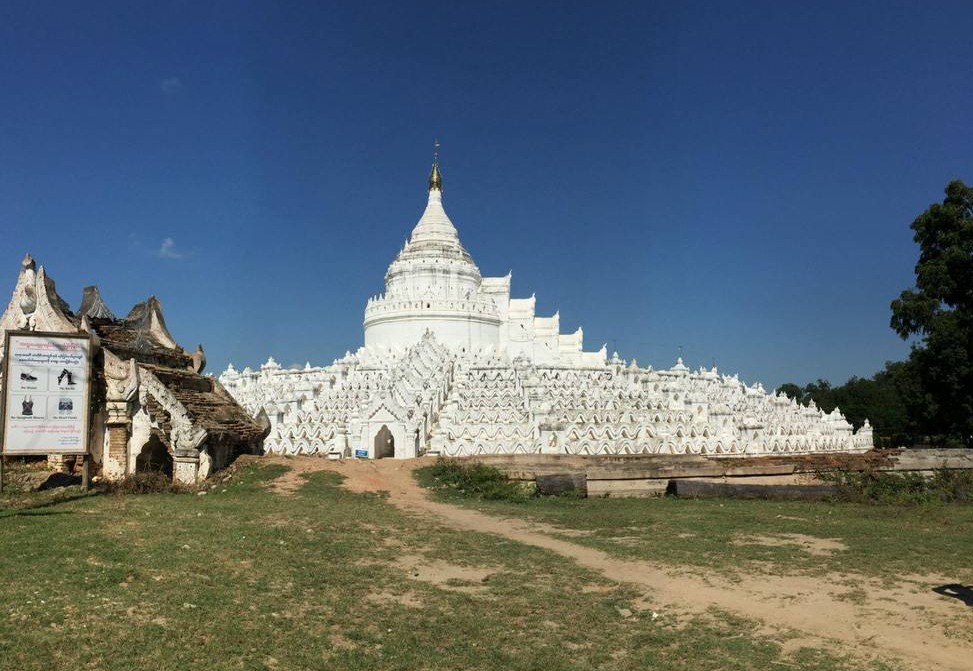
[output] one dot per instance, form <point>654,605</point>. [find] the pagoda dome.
<point>433,284</point>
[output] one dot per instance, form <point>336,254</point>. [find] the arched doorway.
<point>384,443</point>
<point>154,457</point>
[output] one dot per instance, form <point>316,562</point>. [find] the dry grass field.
<point>308,564</point>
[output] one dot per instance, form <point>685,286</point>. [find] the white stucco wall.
<point>456,331</point>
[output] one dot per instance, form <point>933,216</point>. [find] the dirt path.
<point>889,624</point>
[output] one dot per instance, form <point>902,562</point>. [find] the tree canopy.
<point>939,310</point>
<point>928,397</point>
<point>882,399</point>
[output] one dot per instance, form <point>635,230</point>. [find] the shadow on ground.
<point>962,592</point>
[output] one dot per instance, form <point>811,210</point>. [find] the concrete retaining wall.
<point>649,475</point>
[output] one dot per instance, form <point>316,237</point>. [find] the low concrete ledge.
<point>710,490</point>
<point>649,475</point>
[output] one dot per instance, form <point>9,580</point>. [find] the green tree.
<point>792,391</point>
<point>822,393</point>
<point>902,421</point>
<point>939,311</point>
<point>888,400</point>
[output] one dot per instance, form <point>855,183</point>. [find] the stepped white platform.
<point>453,365</point>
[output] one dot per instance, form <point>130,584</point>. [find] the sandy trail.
<point>897,624</point>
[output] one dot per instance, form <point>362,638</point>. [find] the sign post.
<point>46,395</point>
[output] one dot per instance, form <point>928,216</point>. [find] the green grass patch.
<point>246,578</point>
<point>743,536</point>
<point>472,479</point>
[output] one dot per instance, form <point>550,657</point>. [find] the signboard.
<point>45,393</point>
<point>361,454</point>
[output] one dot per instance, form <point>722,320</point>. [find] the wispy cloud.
<point>168,250</point>
<point>171,86</point>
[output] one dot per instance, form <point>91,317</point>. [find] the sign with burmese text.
<point>45,392</point>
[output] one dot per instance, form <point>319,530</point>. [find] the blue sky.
<point>737,179</point>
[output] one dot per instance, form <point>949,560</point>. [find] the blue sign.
<point>361,454</point>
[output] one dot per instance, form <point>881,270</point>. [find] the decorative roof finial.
<point>435,177</point>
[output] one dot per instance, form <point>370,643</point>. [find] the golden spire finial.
<point>435,177</point>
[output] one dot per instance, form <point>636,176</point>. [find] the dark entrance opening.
<point>154,457</point>
<point>384,443</point>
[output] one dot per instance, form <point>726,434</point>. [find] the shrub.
<point>953,485</point>
<point>902,488</point>
<point>150,482</point>
<point>479,480</point>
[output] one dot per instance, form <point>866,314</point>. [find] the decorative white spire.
<point>434,236</point>
<point>434,225</point>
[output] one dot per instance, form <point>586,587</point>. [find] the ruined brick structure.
<point>153,409</point>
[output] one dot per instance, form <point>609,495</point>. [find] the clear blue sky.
<point>735,178</point>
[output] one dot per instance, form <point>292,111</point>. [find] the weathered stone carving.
<point>199,359</point>
<point>121,378</point>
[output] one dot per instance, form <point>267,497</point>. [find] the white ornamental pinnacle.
<point>453,365</point>
<point>434,236</point>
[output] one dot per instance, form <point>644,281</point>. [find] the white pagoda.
<point>453,365</point>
